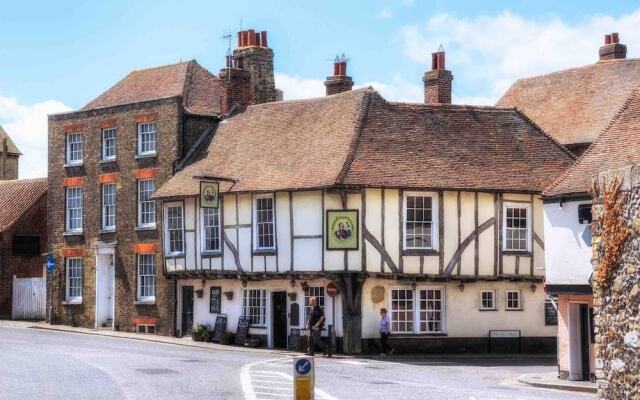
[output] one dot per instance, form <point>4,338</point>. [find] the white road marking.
<point>267,384</point>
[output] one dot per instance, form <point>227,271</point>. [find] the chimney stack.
<point>437,82</point>
<point>254,55</point>
<point>612,48</point>
<point>339,82</point>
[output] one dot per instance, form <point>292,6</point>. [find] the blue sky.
<point>57,56</point>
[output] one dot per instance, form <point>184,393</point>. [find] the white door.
<point>575,338</point>
<point>105,289</point>
<point>111,282</point>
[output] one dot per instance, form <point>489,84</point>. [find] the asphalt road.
<point>40,364</point>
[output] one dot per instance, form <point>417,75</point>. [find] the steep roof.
<point>358,138</point>
<point>576,104</point>
<point>199,88</point>
<point>11,147</point>
<point>617,147</point>
<point>16,197</point>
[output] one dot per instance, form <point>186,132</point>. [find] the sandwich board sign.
<point>303,378</point>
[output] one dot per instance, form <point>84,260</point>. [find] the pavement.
<point>550,380</point>
<point>55,362</point>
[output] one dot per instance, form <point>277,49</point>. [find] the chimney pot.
<point>263,39</point>
<point>257,39</point>
<point>336,68</point>
<point>437,81</point>
<point>615,38</point>
<point>612,48</point>
<point>607,39</point>
<point>239,39</point>
<point>441,64</point>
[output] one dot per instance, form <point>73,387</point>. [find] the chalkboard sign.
<point>219,327</point>
<point>550,314</point>
<point>294,314</point>
<point>294,338</point>
<point>215,300</point>
<point>243,330</point>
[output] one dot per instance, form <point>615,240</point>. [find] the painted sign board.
<point>303,378</point>
<point>343,230</point>
<point>504,334</point>
<point>215,299</point>
<point>209,194</point>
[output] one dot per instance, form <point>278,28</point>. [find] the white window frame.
<point>255,222</point>
<point>392,312</point>
<point>507,306</point>
<point>140,204</point>
<point>261,307</point>
<point>151,134</point>
<point>106,214</point>
<point>203,232</point>
<point>68,218</point>
<point>419,310</point>
<point>416,318</point>
<point>105,156</point>
<point>70,152</point>
<point>493,300</point>
<point>76,298</point>
<point>313,291</point>
<point>526,206</point>
<point>167,231</point>
<point>146,281</point>
<point>434,220</point>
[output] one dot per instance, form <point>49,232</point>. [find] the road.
<point>41,364</point>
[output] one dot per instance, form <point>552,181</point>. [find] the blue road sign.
<point>303,366</point>
<point>51,263</point>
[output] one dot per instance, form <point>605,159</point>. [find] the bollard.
<point>332,341</point>
<point>303,378</point>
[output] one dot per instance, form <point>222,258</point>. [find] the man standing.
<point>315,324</point>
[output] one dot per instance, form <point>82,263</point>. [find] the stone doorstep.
<point>550,381</point>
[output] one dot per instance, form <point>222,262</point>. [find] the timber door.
<point>187,310</point>
<point>584,341</point>
<point>279,319</point>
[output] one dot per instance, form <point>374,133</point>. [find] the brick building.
<point>9,155</point>
<point>23,234</point>
<point>106,160</point>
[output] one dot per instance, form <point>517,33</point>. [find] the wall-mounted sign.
<point>209,194</point>
<point>332,290</point>
<point>342,230</point>
<point>550,314</point>
<point>215,300</point>
<point>51,263</point>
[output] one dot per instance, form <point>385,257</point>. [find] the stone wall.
<point>617,296</point>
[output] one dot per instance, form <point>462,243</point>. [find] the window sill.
<point>211,254</point>
<point>420,252</point>
<point>408,335</point>
<point>488,309</point>
<point>516,253</point>
<point>110,230</point>
<point>149,155</point>
<point>174,255</point>
<point>67,165</point>
<point>266,252</point>
<point>149,302</point>
<point>77,302</point>
<point>145,228</point>
<point>73,233</point>
<point>107,160</point>
<point>514,309</point>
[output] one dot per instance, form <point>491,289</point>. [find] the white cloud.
<point>493,51</point>
<point>27,126</point>
<point>398,89</point>
<point>295,87</point>
<point>385,13</point>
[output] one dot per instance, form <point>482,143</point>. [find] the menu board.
<point>243,330</point>
<point>215,300</point>
<point>550,314</point>
<point>219,327</point>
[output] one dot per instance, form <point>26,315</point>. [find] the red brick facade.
<point>31,223</point>
<point>171,122</point>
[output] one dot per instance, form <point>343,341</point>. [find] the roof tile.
<point>16,197</point>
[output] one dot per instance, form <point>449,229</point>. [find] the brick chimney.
<point>437,82</point>
<point>236,93</point>
<point>612,48</point>
<point>254,55</point>
<point>339,82</point>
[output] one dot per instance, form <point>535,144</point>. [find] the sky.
<point>56,56</point>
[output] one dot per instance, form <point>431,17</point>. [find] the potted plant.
<point>208,333</point>
<point>197,334</point>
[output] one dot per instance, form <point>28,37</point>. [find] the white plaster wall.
<point>486,210</point>
<point>450,226</point>
<point>392,224</point>
<point>373,222</point>
<point>568,245</point>
<point>283,231</point>
<point>354,258</point>
<point>538,228</point>
<point>463,317</point>
<point>307,213</point>
<point>467,226</point>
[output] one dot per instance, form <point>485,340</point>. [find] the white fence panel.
<point>29,298</point>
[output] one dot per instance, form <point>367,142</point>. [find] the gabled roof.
<point>16,197</point>
<point>11,147</point>
<point>576,104</point>
<point>199,88</point>
<point>618,146</point>
<point>358,138</point>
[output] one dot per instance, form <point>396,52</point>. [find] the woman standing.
<point>385,332</point>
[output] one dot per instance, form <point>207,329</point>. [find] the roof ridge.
<point>353,147</point>
<point>544,133</point>
<point>6,181</point>
<point>591,148</point>
<point>193,60</point>
<point>569,69</point>
<point>452,107</point>
<point>312,99</point>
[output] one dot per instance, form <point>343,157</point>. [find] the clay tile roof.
<point>576,104</point>
<point>199,88</point>
<point>11,147</point>
<point>618,146</point>
<point>17,196</point>
<point>358,138</point>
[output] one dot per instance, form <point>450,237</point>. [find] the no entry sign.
<point>332,289</point>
